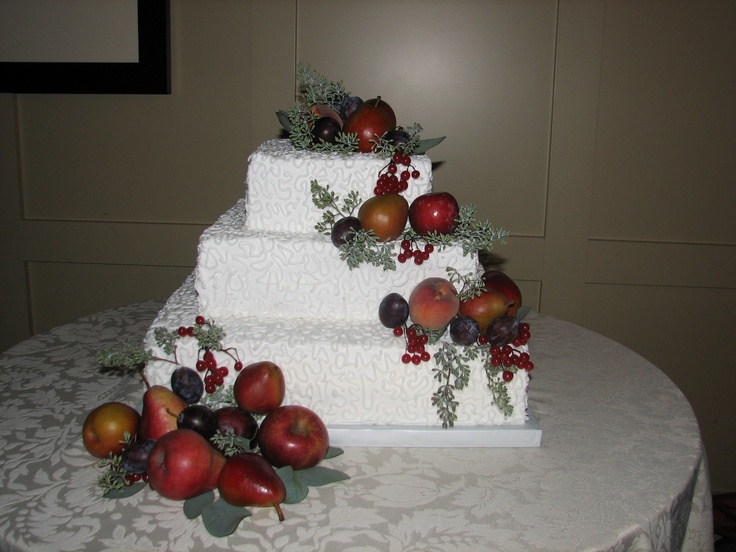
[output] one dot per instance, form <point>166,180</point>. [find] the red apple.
<point>293,435</point>
<point>502,283</point>
<point>259,387</point>
<point>434,212</point>
<point>381,104</point>
<point>433,303</point>
<point>183,464</point>
<point>369,123</point>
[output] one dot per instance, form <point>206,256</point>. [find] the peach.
<point>433,303</point>
<point>105,427</point>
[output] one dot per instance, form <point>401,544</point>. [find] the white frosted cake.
<point>282,292</point>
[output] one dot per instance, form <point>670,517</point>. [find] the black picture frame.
<point>150,75</point>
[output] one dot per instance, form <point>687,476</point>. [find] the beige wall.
<point>601,133</point>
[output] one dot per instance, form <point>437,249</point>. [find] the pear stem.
<point>278,511</point>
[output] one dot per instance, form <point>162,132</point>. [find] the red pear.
<point>247,479</point>
<point>161,407</point>
<point>502,283</point>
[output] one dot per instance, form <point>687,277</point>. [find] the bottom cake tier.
<point>352,376</point>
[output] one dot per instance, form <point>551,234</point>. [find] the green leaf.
<point>317,476</point>
<point>522,312</point>
<point>296,488</point>
<point>126,491</point>
<point>284,119</point>
<point>427,144</point>
<point>222,519</point>
<point>193,507</point>
<point>332,452</point>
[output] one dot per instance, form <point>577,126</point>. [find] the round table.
<point>621,465</point>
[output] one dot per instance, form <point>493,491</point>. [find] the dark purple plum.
<point>464,330</point>
<point>348,105</point>
<point>325,128</point>
<point>502,330</point>
<point>199,418</point>
<point>393,310</point>
<point>342,229</point>
<point>186,383</point>
<point>135,457</point>
<point>397,137</point>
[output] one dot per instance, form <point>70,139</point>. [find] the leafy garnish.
<point>115,476</point>
<point>230,444</point>
<point>363,246</point>
<point>317,90</point>
<point>332,207</point>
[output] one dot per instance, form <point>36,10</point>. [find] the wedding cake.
<point>273,280</point>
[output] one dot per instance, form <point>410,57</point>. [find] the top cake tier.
<point>278,185</point>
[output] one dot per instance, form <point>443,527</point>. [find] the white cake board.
<point>522,434</point>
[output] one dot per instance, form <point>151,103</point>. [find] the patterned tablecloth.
<point>621,466</point>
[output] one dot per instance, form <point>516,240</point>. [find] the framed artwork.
<point>85,47</point>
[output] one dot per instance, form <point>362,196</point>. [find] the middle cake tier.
<point>243,273</point>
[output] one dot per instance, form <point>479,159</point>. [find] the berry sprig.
<point>394,178</point>
<point>410,249</point>
<point>452,370</point>
<point>416,340</point>
<point>209,337</point>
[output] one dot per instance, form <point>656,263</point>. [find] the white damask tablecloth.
<point>621,466</point>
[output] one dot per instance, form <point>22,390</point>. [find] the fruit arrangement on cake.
<point>343,286</point>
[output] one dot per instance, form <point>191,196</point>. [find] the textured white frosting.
<point>281,293</point>
<point>350,373</point>
<point>278,184</point>
<point>244,273</point>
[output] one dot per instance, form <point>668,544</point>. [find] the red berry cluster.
<point>131,478</point>
<point>394,177</point>
<point>215,375</point>
<point>508,356</point>
<point>408,251</point>
<point>415,342</point>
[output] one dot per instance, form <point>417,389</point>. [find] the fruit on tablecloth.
<point>295,436</point>
<point>183,464</point>
<point>135,456</point>
<point>433,303</point>
<point>199,418</point>
<point>385,214</point>
<point>161,407</point>
<point>186,383</point>
<point>104,428</point>
<point>434,212</point>
<point>247,479</point>
<point>485,308</point>
<point>237,420</point>
<point>260,387</point>
<point>502,283</point>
